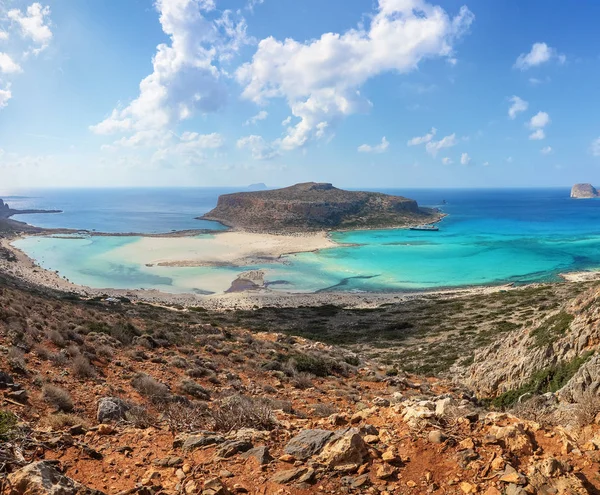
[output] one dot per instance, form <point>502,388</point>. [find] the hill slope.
<point>317,206</point>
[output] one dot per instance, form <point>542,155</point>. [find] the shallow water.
<point>489,237</point>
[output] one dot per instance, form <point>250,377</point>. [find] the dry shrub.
<point>57,397</point>
<point>16,360</point>
<point>239,411</point>
<point>139,417</point>
<point>185,418</point>
<point>302,381</point>
<point>60,421</point>
<point>151,388</point>
<point>194,389</point>
<point>535,409</point>
<point>82,368</point>
<point>56,338</point>
<point>322,410</point>
<point>586,409</point>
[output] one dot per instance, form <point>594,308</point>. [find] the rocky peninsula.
<point>584,191</point>
<point>317,207</point>
<point>8,225</point>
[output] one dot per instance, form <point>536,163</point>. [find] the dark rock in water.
<point>581,191</point>
<point>317,207</point>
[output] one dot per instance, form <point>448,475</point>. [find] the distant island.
<point>583,191</point>
<point>313,207</point>
<point>260,186</point>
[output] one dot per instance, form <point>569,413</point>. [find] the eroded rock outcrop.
<point>582,191</point>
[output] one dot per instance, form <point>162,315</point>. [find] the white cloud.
<point>380,148</point>
<point>537,135</point>
<point>253,3</point>
<point>5,95</point>
<point>446,160</point>
<point>422,139</point>
<point>517,105</point>
<point>539,120</point>
<point>286,121</point>
<point>433,147</point>
<point>509,159</point>
<point>546,150</point>
<point>34,24</point>
<point>486,164</point>
<point>595,148</point>
<point>3,36</point>
<point>320,79</point>
<point>262,115</point>
<point>187,77</point>
<point>540,53</point>
<point>465,159</point>
<point>260,149</point>
<point>8,65</point>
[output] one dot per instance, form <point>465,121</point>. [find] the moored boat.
<point>429,228</point>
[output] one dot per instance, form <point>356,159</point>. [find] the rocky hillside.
<point>582,191</point>
<point>99,398</point>
<point>316,207</point>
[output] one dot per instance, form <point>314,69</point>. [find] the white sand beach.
<point>227,248</point>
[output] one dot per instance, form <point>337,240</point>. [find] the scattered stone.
<point>511,475</point>
<point>289,475</point>
<point>381,402</point>
<point>467,443</point>
<point>105,429</point>
<point>111,409</point>
<point>515,438</point>
<point>307,443</point>
<point>260,454</point>
<point>214,487</point>
<point>436,436</point>
<point>233,447</point>
<point>371,439</point>
<point>204,439</point>
<point>385,471</point>
<point>43,478</point>
<point>170,461</point>
<point>467,487</point>
<point>19,396</point>
<point>360,481</point>
<point>346,452</point>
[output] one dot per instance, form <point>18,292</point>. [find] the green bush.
<point>552,329</point>
<point>549,379</point>
<point>8,425</point>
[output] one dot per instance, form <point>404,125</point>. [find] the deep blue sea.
<point>489,237</point>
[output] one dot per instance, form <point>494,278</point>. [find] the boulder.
<point>260,454</point>
<point>289,475</point>
<point>514,438</point>
<point>345,452</point>
<point>233,447</point>
<point>203,439</point>
<point>43,478</point>
<point>307,443</point>
<point>111,409</point>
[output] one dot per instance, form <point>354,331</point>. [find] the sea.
<point>490,237</point>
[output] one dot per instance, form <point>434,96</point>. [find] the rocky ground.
<point>124,398</point>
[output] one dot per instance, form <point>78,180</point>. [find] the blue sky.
<point>361,93</point>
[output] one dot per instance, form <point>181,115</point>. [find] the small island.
<point>584,191</point>
<point>317,207</point>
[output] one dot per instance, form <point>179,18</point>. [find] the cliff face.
<point>584,191</point>
<point>316,206</point>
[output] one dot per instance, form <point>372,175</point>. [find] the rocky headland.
<point>8,225</point>
<point>583,191</point>
<point>311,206</point>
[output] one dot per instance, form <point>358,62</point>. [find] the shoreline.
<point>26,269</point>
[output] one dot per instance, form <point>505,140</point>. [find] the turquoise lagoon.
<point>489,237</point>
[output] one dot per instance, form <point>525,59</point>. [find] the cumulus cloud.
<point>34,24</point>
<point>537,135</point>
<point>446,160</point>
<point>539,120</point>
<point>380,148</point>
<point>422,139</point>
<point>465,159</point>
<point>187,76</point>
<point>433,147</point>
<point>262,115</point>
<point>537,124</point>
<point>286,121</point>
<point>8,65</point>
<point>546,150</point>
<point>260,149</point>
<point>321,79</point>
<point>5,95</point>
<point>517,105</point>
<point>539,54</point>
